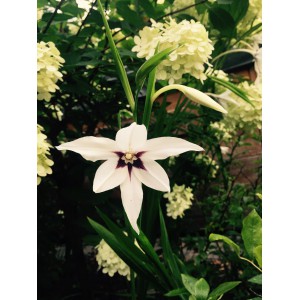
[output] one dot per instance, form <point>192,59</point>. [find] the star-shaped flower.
<point>130,161</point>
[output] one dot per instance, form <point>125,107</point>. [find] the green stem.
<point>119,64</point>
<point>233,51</point>
<point>149,95</point>
<point>132,285</point>
<point>250,262</point>
<point>53,15</point>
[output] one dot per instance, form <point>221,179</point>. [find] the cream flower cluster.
<point>110,262</point>
<point>220,131</point>
<point>193,52</point>
<point>241,115</point>
<point>179,200</point>
<point>209,163</point>
<point>43,162</point>
<point>48,63</point>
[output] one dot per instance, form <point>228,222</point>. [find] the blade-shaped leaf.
<point>176,292</point>
<point>149,65</point>
<point>222,289</point>
<point>256,279</point>
<point>128,255</point>
<point>167,251</point>
<point>201,289</point>
<point>232,87</point>
<point>252,232</point>
<point>151,259</point>
<point>218,237</point>
<point>150,252</point>
<point>189,282</point>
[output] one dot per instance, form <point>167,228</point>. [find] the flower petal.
<point>163,147</point>
<point>108,176</point>
<point>154,176</point>
<point>92,148</point>
<point>132,198</point>
<point>131,138</point>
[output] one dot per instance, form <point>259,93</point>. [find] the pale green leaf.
<point>252,232</point>
<point>201,289</point>
<point>218,237</point>
<point>257,251</point>
<point>222,289</point>
<point>256,279</point>
<point>189,282</point>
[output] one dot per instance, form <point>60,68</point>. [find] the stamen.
<point>129,157</point>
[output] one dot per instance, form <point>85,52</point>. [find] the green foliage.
<point>217,237</point>
<point>252,234</point>
<point>100,76</point>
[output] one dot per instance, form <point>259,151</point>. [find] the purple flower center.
<point>130,160</point>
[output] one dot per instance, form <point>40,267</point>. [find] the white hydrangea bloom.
<point>210,163</point>
<point>48,63</point>
<point>220,131</point>
<point>179,200</point>
<point>40,13</point>
<point>110,262</point>
<point>194,48</point>
<point>43,162</point>
<point>241,115</point>
<point>84,4</point>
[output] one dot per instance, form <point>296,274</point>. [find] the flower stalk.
<point>119,64</point>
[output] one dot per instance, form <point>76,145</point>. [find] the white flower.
<point>241,115</point>
<point>43,162</point>
<point>110,262</point>
<point>180,199</point>
<point>48,63</point>
<point>220,131</point>
<point>130,161</point>
<point>194,48</point>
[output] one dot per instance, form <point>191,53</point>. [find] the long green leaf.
<point>167,251</point>
<point>252,232</point>
<point>222,289</point>
<point>152,262</point>
<point>218,237</point>
<point>176,292</point>
<point>232,87</point>
<point>149,94</point>
<point>150,252</point>
<point>119,64</point>
<point>129,256</point>
<point>149,65</point>
<point>151,256</point>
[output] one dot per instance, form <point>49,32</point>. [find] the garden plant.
<point>148,149</point>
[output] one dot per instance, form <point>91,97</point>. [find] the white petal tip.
<point>135,228</point>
